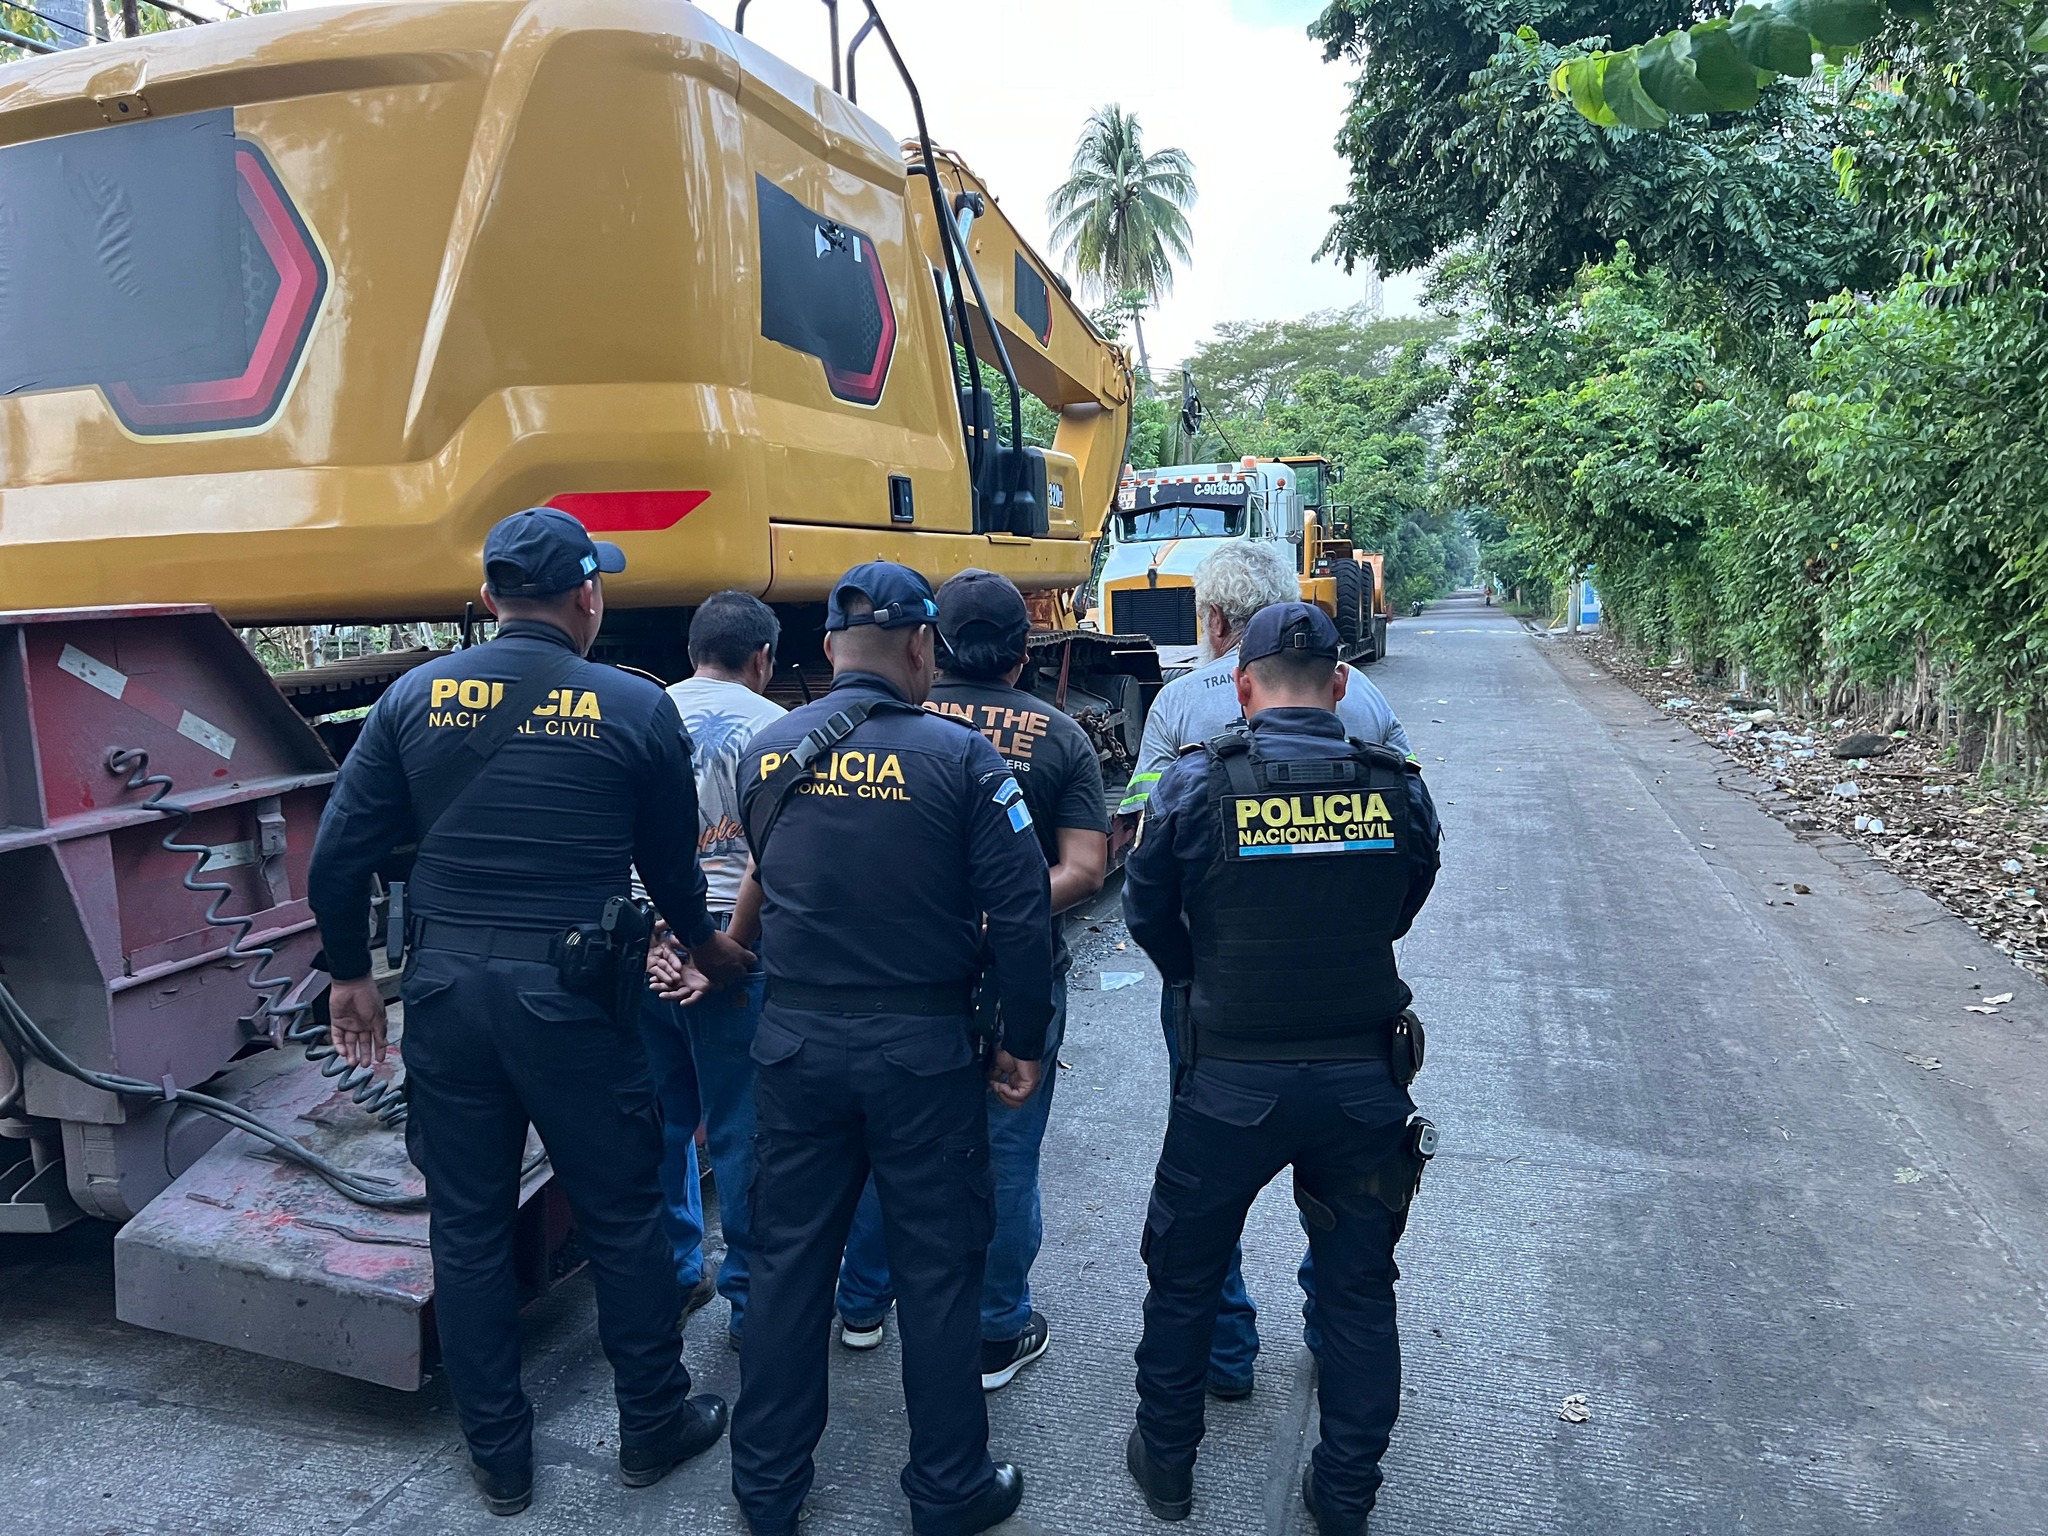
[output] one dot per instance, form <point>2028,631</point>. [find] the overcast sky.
<point>1238,84</point>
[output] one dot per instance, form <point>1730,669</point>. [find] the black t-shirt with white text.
<point>1052,757</point>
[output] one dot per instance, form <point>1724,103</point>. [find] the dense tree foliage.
<point>1456,139</point>
<point>1778,376</point>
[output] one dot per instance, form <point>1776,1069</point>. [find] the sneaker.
<point>503,1494</point>
<point>1002,1359</point>
<point>862,1336</point>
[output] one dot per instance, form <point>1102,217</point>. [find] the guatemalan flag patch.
<point>1010,795</point>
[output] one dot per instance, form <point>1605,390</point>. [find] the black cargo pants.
<point>840,1096</point>
<point>1234,1126</point>
<point>489,1046</point>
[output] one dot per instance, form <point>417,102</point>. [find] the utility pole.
<point>131,18</point>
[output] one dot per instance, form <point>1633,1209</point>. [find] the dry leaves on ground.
<point>1978,851</point>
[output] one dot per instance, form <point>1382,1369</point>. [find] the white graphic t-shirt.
<point>721,718</point>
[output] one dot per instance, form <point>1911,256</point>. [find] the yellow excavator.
<point>292,309</point>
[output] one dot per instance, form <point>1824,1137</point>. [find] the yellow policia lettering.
<point>1329,818</point>
<point>564,709</point>
<point>852,772</point>
<point>469,692</point>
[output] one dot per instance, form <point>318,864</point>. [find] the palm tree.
<point>1120,217</point>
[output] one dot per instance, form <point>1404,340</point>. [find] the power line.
<point>55,21</point>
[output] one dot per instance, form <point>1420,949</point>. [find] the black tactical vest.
<point>1293,923</point>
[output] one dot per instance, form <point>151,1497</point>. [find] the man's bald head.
<point>904,655</point>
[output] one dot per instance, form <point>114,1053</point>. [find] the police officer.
<point>986,628</point>
<point>1279,864</point>
<point>882,834</point>
<point>531,779</point>
<point>1231,585</point>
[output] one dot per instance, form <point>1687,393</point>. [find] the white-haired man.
<point>1230,586</point>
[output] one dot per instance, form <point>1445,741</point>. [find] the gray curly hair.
<point>1241,578</point>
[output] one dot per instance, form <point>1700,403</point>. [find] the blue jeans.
<point>722,1040</point>
<point>1236,1343</point>
<point>1014,1138</point>
<point>703,1072</point>
<point>675,1089</point>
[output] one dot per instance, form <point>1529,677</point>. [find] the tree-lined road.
<point>1690,1171</point>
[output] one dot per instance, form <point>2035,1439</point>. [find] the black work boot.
<point>997,1503</point>
<point>1332,1526</point>
<point>504,1493</point>
<point>1169,1495</point>
<point>692,1432</point>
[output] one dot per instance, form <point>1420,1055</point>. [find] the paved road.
<point>1691,1173</point>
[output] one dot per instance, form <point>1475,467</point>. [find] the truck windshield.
<point>1308,484</point>
<point>1207,522</point>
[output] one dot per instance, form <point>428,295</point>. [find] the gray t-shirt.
<point>721,718</point>
<point>1202,704</point>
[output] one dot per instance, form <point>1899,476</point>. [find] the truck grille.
<point>1167,614</point>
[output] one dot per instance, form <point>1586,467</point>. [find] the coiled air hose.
<point>298,1023</point>
<point>22,1036</point>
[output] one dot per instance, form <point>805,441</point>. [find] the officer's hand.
<point>719,958</point>
<point>1014,1081</point>
<point>356,1015</point>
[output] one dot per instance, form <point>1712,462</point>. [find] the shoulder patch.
<point>1010,795</point>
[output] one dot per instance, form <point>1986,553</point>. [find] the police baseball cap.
<point>986,599</point>
<point>541,552</point>
<point>897,597</point>
<point>1291,629</point>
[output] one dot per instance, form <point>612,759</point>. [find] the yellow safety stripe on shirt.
<point>1134,797</point>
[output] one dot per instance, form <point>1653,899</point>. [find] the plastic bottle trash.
<point>2013,867</point>
<point>1116,981</point>
<point>1846,790</point>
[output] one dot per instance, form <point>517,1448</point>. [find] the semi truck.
<point>1169,520</point>
<point>293,308</point>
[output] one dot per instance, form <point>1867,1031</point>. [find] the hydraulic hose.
<point>21,1033</point>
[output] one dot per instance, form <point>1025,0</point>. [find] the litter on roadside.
<point>1116,981</point>
<point>1575,1409</point>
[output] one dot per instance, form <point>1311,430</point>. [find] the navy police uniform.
<point>597,778</point>
<point>1279,864</point>
<point>877,866</point>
